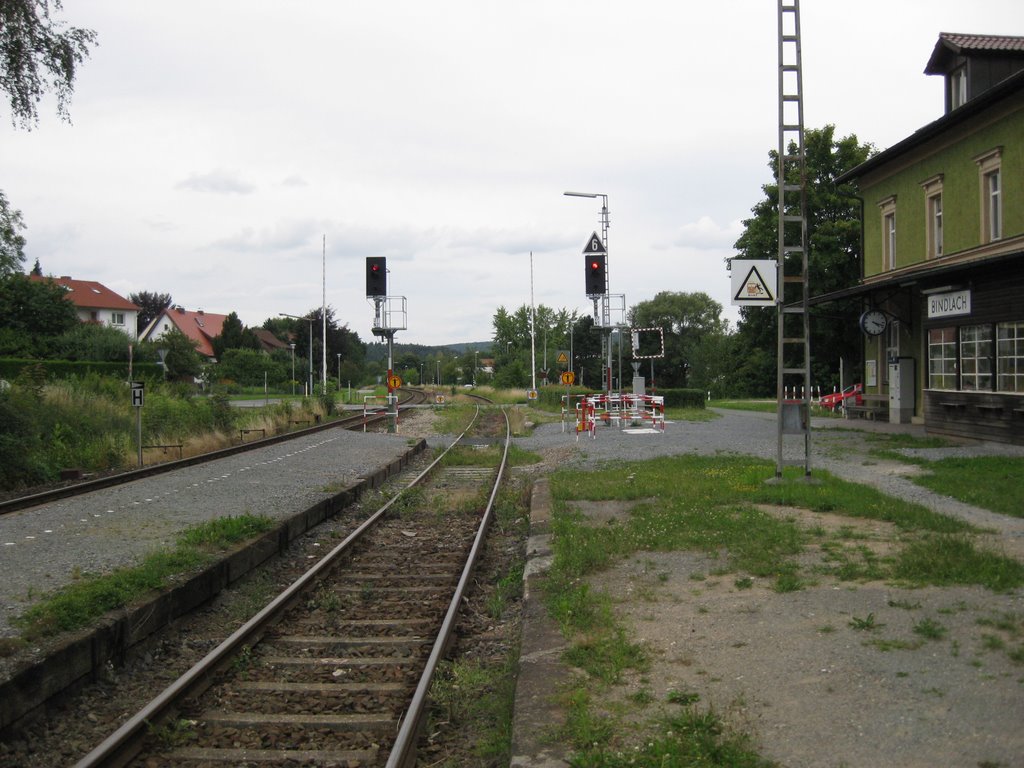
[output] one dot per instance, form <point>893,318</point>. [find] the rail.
<point>119,748</point>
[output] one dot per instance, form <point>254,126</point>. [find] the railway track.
<point>336,669</point>
<point>355,421</point>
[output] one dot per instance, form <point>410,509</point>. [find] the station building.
<point>943,252</point>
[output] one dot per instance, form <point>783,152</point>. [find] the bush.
<point>683,398</point>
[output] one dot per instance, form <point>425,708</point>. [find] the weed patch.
<point>948,560</point>
<point>93,595</point>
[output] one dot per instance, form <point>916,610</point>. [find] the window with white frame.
<point>117,318</point>
<point>957,87</point>
<point>976,358</point>
<point>1010,357</point>
<point>942,358</point>
<point>888,208</point>
<point>933,216</point>
<point>990,177</point>
<point>993,209</point>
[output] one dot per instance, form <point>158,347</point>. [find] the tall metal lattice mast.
<point>794,349</point>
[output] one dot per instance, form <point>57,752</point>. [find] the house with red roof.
<point>95,303</point>
<point>202,327</point>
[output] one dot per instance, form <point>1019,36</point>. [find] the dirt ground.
<point>833,674</point>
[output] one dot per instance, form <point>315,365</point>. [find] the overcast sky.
<point>215,145</point>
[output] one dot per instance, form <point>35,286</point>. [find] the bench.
<point>874,406</point>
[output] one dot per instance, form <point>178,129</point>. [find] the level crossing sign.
<point>568,377</point>
<point>395,381</point>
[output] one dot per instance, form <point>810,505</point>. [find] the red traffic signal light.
<point>595,274</point>
<point>376,276</point>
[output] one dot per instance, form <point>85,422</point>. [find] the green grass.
<point>688,738</point>
<point>488,456</point>
<point>989,482</point>
<point>951,560</point>
<point>85,600</point>
<point>762,406</point>
<point>479,696</point>
<point>691,414</point>
<point>453,419</point>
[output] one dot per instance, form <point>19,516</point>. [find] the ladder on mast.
<point>794,349</point>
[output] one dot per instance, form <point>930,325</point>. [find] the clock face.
<point>873,322</point>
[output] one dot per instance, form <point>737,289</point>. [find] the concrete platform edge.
<point>541,671</point>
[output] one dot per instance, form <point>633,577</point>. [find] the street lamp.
<point>310,321</point>
<point>291,345</point>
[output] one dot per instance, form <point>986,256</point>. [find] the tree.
<point>551,330</point>
<point>693,326</point>
<point>12,244</point>
<point>833,228</point>
<point>340,340</point>
<point>150,305</point>
<point>32,314</point>
<point>182,360</point>
<point>38,54</point>
<point>233,335</point>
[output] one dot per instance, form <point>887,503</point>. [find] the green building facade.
<point>943,253</point>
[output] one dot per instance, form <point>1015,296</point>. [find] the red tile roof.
<point>88,294</point>
<point>199,326</point>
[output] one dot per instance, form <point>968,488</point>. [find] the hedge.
<point>64,369</point>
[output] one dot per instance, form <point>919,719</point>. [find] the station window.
<point>990,177</point>
<point>933,216</point>
<point>957,87</point>
<point>888,207</point>
<point>1010,357</point>
<point>942,358</point>
<point>976,358</point>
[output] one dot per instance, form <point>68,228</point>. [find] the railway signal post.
<point>389,316</point>
<point>597,284</point>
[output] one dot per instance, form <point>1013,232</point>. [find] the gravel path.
<point>47,547</point>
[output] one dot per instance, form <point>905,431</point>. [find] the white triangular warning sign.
<point>753,282</point>
<point>594,246</point>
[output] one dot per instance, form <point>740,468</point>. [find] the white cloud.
<point>219,182</point>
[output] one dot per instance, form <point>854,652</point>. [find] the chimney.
<point>180,309</point>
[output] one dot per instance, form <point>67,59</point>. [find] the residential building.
<point>95,303</point>
<point>943,262</point>
<point>202,327</point>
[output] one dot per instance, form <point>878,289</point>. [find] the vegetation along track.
<point>336,669</point>
<point>68,490</point>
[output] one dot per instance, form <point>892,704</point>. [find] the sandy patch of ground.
<point>834,674</point>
